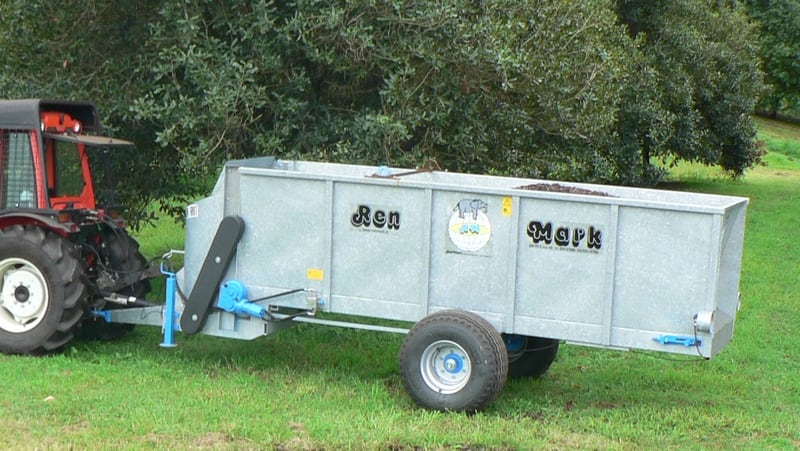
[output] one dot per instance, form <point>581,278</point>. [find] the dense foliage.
<point>778,23</point>
<point>693,86</point>
<point>596,90</point>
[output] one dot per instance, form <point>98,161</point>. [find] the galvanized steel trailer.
<point>493,271</point>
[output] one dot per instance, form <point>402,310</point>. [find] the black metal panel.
<point>24,114</point>
<point>89,140</point>
<point>215,265</point>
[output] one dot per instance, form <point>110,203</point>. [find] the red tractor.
<point>62,256</point>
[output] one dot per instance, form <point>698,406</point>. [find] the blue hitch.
<point>104,314</point>
<point>233,299</point>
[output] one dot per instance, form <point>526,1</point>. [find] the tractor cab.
<point>45,154</point>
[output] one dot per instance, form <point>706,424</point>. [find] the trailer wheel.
<point>42,297</point>
<point>453,360</point>
<point>529,356</point>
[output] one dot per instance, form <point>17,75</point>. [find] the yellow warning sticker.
<point>508,206</point>
<point>315,274</point>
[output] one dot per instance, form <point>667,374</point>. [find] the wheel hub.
<point>23,296</point>
<point>453,363</point>
<point>445,367</point>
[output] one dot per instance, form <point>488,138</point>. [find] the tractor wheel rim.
<point>23,297</point>
<point>445,367</point>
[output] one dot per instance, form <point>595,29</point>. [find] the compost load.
<point>558,188</point>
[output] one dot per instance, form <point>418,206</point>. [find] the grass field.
<point>326,388</point>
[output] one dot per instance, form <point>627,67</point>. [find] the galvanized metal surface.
<point>618,270</point>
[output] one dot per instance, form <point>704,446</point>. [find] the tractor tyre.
<point>453,360</point>
<point>42,296</point>
<point>128,262</point>
<point>529,356</point>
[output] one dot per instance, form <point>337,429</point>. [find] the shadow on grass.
<point>584,380</point>
<point>580,380</point>
<point>300,349</point>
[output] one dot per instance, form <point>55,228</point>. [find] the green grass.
<point>778,130</point>
<point>326,388</point>
<point>157,239</point>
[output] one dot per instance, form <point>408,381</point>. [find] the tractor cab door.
<point>69,180</point>
<point>69,175</point>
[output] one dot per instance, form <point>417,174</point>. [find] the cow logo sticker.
<point>469,227</point>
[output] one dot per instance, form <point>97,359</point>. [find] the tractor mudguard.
<point>47,219</point>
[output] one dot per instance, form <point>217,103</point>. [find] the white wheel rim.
<point>23,297</point>
<point>445,367</point>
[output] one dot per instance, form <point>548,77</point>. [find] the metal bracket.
<point>205,289</point>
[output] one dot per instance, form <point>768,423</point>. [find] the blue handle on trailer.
<point>678,340</point>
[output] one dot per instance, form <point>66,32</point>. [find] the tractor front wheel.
<point>42,298</point>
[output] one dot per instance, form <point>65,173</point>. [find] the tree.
<point>382,82</point>
<point>593,90</point>
<point>778,23</point>
<point>693,87</point>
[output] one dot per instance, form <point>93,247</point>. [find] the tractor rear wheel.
<point>42,297</point>
<point>128,263</point>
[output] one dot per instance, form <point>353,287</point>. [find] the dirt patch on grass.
<point>209,440</point>
<point>301,441</point>
<point>214,440</point>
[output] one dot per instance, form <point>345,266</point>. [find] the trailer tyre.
<point>453,360</point>
<point>529,356</point>
<point>42,297</point>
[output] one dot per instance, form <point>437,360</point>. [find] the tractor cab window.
<point>68,183</point>
<point>17,176</point>
<point>68,175</point>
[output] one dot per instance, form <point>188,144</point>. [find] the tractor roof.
<point>25,114</point>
